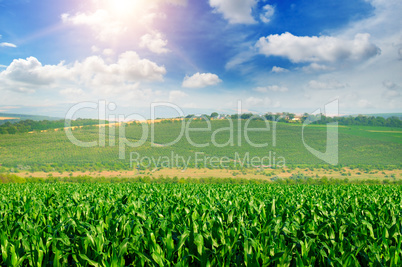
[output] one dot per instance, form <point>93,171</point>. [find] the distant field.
<point>53,151</point>
<point>8,118</point>
<point>19,117</point>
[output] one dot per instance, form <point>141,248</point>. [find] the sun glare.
<point>124,7</point>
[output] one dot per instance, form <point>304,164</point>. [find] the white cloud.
<point>268,13</point>
<point>364,103</point>
<point>154,42</point>
<point>72,92</point>
<point>5,44</point>
<point>178,2</point>
<point>176,95</point>
<point>24,90</point>
<point>240,58</point>
<point>235,11</point>
<point>391,94</point>
<point>278,69</point>
<point>327,85</point>
<point>200,80</point>
<point>31,71</point>
<point>93,73</point>
<point>95,49</point>
<point>392,91</point>
<point>101,21</point>
<point>128,68</point>
<point>272,88</point>
<point>256,101</point>
<point>316,67</point>
<point>389,84</point>
<point>317,48</point>
<point>108,52</point>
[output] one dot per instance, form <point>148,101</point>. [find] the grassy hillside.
<point>53,150</point>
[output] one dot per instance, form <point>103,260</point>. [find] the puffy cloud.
<point>31,71</point>
<point>317,48</point>
<point>200,80</point>
<point>268,13</point>
<point>128,68</point>
<point>92,72</point>
<point>5,44</point>
<point>154,42</point>
<point>328,85</point>
<point>272,88</point>
<point>278,69</point>
<point>235,11</point>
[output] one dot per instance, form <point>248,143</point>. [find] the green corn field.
<point>200,225</point>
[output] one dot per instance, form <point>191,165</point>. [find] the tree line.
<point>360,120</point>
<point>26,126</point>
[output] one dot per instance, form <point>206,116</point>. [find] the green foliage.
<point>214,115</point>
<point>199,225</point>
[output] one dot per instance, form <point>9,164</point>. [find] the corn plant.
<point>200,225</point>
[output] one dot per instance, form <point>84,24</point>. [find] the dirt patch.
<point>224,173</point>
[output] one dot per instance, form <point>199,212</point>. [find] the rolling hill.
<point>358,145</point>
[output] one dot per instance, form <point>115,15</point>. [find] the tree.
<point>291,116</point>
<point>246,116</point>
<point>12,129</point>
<point>214,115</point>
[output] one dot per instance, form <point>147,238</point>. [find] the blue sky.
<point>202,56</point>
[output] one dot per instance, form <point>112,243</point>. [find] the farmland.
<point>168,224</point>
<point>52,151</point>
<point>66,205</point>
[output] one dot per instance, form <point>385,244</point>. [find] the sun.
<point>124,7</point>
